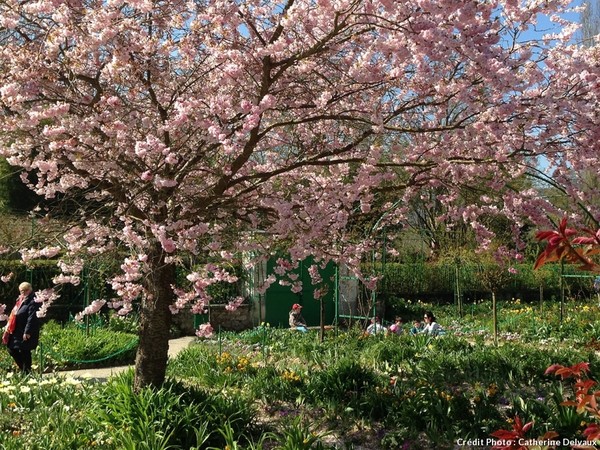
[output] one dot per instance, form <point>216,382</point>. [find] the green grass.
<point>73,347</point>
<point>268,389</point>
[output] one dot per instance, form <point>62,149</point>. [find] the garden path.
<point>103,373</point>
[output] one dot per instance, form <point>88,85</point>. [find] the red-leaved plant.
<point>510,438</point>
<point>571,245</point>
<point>585,392</point>
<point>575,247</point>
<point>585,399</point>
<point>514,439</point>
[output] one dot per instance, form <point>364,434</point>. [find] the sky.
<point>546,26</point>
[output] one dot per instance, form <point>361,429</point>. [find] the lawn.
<point>281,389</point>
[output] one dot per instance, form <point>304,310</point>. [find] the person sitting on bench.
<point>296,319</point>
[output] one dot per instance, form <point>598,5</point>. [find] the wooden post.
<point>322,319</point>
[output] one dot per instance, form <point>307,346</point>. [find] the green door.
<point>279,299</point>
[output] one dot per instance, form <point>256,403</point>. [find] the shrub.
<point>348,386</point>
<point>71,346</point>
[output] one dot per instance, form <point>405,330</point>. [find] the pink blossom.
<point>125,309</point>
<point>200,308</point>
<point>262,288</point>
<point>283,266</point>
<point>168,245</point>
<point>7,278</point>
<point>205,331</point>
<point>171,158</point>
<point>29,254</point>
<point>183,298</point>
<point>64,279</point>
<point>315,276</point>
<point>92,308</point>
<point>46,297</point>
<point>234,304</point>
<point>74,266</point>
<point>9,90</point>
<point>161,182</point>
<point>319,293</point>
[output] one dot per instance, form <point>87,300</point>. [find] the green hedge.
<point>425,281</point>
<point>74,299</point>
<point>40,274</point>
<point>74,347</point>
<point>428,281</point>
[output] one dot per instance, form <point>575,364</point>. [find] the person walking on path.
<point>22,332</point>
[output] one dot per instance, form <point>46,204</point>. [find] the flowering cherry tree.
<point>215,127</point>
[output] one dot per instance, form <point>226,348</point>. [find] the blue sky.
<point>546,26</point>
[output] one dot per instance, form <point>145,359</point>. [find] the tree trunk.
<point>155,323</point>
<point>458,293</point>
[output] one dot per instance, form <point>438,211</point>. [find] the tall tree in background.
<point>590,22</point>
<point>214,127</point>
<point>590,33</point>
